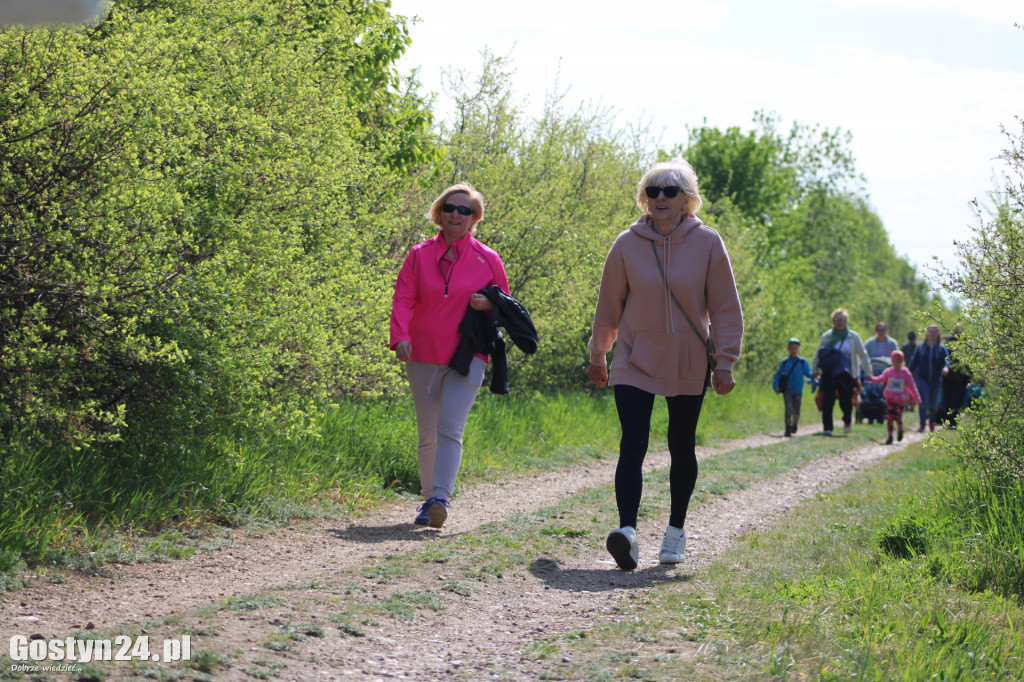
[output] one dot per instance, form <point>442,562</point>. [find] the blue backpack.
<point>830,360</point>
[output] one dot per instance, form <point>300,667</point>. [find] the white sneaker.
<point>827,433</point>
<point>846,429</point>
<point>673,547</point>
<point>624,548</point>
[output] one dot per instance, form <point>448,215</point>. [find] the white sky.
<point>923,85</point>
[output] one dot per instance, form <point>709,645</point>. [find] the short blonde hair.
<point>675,172</point>
<point>839,311</point>
<point>476,202</point>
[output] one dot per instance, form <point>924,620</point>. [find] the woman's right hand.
<point>403,349</point>
<point>598,374</point>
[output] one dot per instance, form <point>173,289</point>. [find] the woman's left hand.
<point>481,302</point>
<point>723,381</point>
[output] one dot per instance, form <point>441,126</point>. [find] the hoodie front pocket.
<point>656,354</point>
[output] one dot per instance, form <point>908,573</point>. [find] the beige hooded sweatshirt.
<point>657,350</point>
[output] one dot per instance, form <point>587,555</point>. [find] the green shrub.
<point>903,538</point>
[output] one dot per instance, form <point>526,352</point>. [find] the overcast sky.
<point>923,85</point>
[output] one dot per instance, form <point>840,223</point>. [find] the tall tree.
<point>816,242</point>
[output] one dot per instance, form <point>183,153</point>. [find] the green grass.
<point>131,501</point>
<point>822,596</point>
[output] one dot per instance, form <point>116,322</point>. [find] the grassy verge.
<point>132,501</point>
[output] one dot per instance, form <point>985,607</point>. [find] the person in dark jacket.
<point>929,364</point>
<point>910,346</point>
<point>908,352</point>
<point>954,385</point>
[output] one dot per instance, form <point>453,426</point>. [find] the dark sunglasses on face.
<point>452,208</point>
<point>670,192</point>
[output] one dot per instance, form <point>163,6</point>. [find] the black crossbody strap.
<point>709,344</point>
<point>791,368</point>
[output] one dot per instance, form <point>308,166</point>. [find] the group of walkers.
<point>668,303</point>
<point>916,375</point>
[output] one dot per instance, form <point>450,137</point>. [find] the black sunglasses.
<point>670,192</point>
<point>463,210</point>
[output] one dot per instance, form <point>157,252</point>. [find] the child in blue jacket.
<point>789,381</point>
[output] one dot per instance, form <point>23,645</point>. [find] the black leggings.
<point>635,406</point>
<point>842,384</point>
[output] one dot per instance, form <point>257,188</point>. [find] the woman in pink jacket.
<point>668,298</point>
<point>438,281</point>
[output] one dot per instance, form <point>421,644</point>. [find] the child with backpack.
<point>900,392</point>
<point>789,381</point>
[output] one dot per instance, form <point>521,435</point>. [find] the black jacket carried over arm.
<point>480,334</point>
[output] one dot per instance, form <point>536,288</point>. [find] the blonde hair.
<point>476,202</point>
<point>675,172</point>
<point>839,311</point>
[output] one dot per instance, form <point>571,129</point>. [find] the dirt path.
<point>493,623</point>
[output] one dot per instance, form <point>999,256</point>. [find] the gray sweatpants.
<point>792,401</point>
<point>443,398</point>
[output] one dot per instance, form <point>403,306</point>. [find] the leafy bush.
<point>186,190</point>
<point>990,282</point>
<point>903,537</point>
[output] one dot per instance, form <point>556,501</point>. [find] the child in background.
<point>900,392</point>
<point>975,392</point>
<point>789,381</point>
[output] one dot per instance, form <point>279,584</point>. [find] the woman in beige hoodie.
<point>667,297</point>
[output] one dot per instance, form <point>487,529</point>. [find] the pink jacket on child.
<point>899,386</point>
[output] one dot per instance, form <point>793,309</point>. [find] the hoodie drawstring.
<point>670,326</point>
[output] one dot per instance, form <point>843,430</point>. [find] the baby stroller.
<point>872,398</point>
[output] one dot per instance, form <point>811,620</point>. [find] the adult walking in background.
<point>838,363</point>
<point>438,280</point>
<point>929,364</point>
<point>910,346</point>
<point>881,345</point>
<point>908,354</point>
<point>954,384</point>
<point>668,300</point>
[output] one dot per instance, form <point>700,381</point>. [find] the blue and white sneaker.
<point>422,514</point>
<point>437,511</point>
<point>624,547</point>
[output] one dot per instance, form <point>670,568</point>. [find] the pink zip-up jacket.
<point>899,386</point>
<point>427,307</point>
<point>656,349</point>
